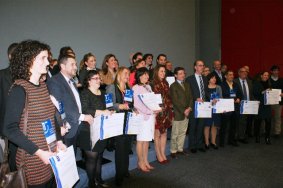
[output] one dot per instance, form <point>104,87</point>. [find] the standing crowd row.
<point>33,76</point>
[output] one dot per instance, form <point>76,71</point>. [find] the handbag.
<point>17,178</point>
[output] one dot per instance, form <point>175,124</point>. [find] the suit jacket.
<point>218,79</point>
<point>60,89</point>
<point>181,99</point>
<point>250,85</point>
<point>194,86</point>
<point>5,84</point>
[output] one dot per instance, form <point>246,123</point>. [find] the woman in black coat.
<point>93,102</point>
<point>264,111</point>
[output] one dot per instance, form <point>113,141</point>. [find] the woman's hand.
<point>44,155</point>
<point>157,111</point>
<point>237,100</point>
<point>123,106</point>
<point>64,131</point>
<point>107,112</point>
<point>214,101</point>
<point>61,146</point>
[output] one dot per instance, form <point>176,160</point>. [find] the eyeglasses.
<point>96,79</point>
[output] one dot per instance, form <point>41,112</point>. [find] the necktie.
<point>72,81</point>
<point>201,87</point>
<point>183,85</point>
<point>244,90</point>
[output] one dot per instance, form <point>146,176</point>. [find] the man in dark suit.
<point>62,87</point>
<point>217,72</point>
<point>5,84</point>
<point>198,84</point>
<point>246,88</point>
<point>182,100</point>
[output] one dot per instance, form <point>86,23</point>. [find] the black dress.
<point>91,103</point>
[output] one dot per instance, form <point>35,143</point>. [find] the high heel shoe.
<point>160,162</point>
<point>150,167</point>
<point>143,170</point>
<point>267,141</point>
<point>214,146</point>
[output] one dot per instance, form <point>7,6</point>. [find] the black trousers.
<point>230,121</point>
<point>257,126</point>
<point>122,150</point>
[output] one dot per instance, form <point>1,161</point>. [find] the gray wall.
<point>208,30</point>
<point>113,26</point>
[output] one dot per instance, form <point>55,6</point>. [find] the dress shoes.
<point>101,183</point>
<point>173,155</point>
<point>206,147</point>
<point>184,153</point>
<point>257,139</point>
<point>233,143</point>
<point>214,146</point>
<point>193,150</point>
<point>244,141</point>
<point>202,149</point>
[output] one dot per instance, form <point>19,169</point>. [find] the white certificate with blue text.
<point>249,107</point>
<point>65,168</point>
<point>203,109</point>
<point>134,123</point>
<point>224,105</point>
<point>272,96</point>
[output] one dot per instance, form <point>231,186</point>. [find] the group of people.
<point>33,76</point>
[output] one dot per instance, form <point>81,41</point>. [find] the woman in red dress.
<point>164,118</point>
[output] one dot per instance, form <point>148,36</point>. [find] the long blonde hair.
<point>119,74</point>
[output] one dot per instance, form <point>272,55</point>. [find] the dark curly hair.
<point>23,57</point>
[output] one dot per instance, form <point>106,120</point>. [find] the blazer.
<point>250,85</point>
<point>194,86</point>
<point>181,99</point>
<point>218,79</point>
<point>226,93</point>
<point>5,84</point>
<point>60,89</point>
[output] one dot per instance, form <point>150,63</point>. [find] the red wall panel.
<point>252,34</point>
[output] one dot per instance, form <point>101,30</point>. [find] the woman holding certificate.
<point>264,111</point>
<point>30,108</point>
<point>122,142</point>
<point>213,123</point>
<point>163,118</point>
<point>93,102</point>
<point>147,130</point>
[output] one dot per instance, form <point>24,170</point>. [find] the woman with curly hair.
<point>29,61</point>
<point>164,118</point>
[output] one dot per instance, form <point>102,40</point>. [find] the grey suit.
<point>61,90</point>
<point>196,124</point>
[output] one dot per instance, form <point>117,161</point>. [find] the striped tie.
<point>201,87</point>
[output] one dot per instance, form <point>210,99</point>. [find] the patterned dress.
<point>164,118</point>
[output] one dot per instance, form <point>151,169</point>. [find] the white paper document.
<point>104,127</point>
<point>249,107</point>
<point>170,80</point>
<point>134,123</point>
<point>65,168</point>
<point>224,105</point>
<point>272,96</point>
<point>203,109</point>
<point>151,100</point>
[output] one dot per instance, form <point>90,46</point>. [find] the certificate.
<point>249,107</point>
<point>224,105</point>
<point>151,100</point>
<point>203,109</point>
<point>170,80</point>
<point>65,168</point>
<point>95,130</point>
<point>111,125</point>
<point>134,122</point>
<point>272,96</point>
<point>49,134</point>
